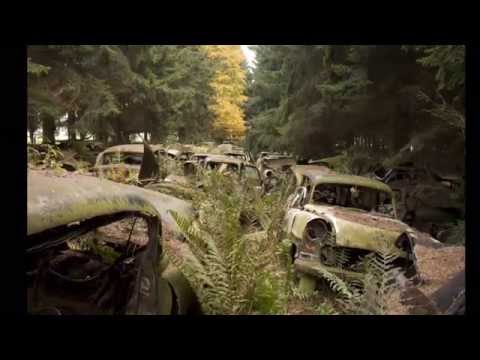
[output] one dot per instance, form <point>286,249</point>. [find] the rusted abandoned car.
<point>231,150</point>
<point>95,247</point>
<point>271,155</point>
<point>185,186</point>
<point>273,170</point>
<point>240,155</point>
<point>124,161</point>
<point>262,154</point>
<point>196,161</point>
<point>230,166</point>
<point>272,166</point>
<point>182,154</point>
<point>332,216</point>
<point>426,200</point>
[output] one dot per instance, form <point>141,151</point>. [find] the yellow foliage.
<point>229,84</point>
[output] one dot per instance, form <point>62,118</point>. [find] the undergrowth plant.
<point>235,268</point>
<point>371,294</point>
<point>49,158</point>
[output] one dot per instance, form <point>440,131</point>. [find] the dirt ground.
<point>437,266</point>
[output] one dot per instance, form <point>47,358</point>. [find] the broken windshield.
<point>353,196</point>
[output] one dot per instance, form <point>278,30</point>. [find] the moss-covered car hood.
<point>353,228</point>
<point>55,201</point>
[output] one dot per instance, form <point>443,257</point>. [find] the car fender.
<point>297,221</point>
<point>187,301</point>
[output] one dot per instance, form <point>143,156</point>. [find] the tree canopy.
<point>312,100</point>
<point>319,100</point>
<point>112,91</point>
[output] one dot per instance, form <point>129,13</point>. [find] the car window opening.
<point>352,196</point>
<point>91,273</point>
<point>122,158</point>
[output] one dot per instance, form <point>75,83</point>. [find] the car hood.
<point>55,201</point>
<point>360,229</point>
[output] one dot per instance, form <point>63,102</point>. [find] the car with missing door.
<point>96,247</point>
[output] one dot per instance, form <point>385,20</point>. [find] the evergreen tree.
<point>318,100</point>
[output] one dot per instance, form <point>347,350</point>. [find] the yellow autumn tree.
<point>229,85</point>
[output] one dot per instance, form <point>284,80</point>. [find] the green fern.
<point>232,270</point>
<point>338,284</point>
<point>370,294</point>
<point>378,283</point>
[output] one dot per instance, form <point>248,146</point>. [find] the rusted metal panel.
<point>55,201</point>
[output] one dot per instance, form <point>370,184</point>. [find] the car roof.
<point>279,161</point>
<point>174,151</point>
<point>60,200</point>
<point>135,148</point>
<point>204,154</point>
<point>335,178</point>
<point>223,159</point>
<point>311,170</point>
<point>235,152</point>
<point>278,156</point>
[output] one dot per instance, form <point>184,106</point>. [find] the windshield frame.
<point>388,194</point>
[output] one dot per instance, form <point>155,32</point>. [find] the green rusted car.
<point>123,163</point>
<point>185,186</point>
<point>96,247</point>
<point>335,220</point>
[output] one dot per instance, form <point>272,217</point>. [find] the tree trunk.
<point>72,135</point>
<point>48,129</point>
<point>101,136</point>
<point>119,137</point>
<point>32,127</point>
<point>182,134</point>
<point>155,138</point>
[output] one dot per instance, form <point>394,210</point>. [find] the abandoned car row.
<point>95,243</point>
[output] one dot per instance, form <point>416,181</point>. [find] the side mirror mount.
<point>299,197</point>
<point>303,196</point>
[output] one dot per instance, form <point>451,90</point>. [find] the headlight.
<point>412,236</point>
<point>404,242</point>
<point>317,231</point>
